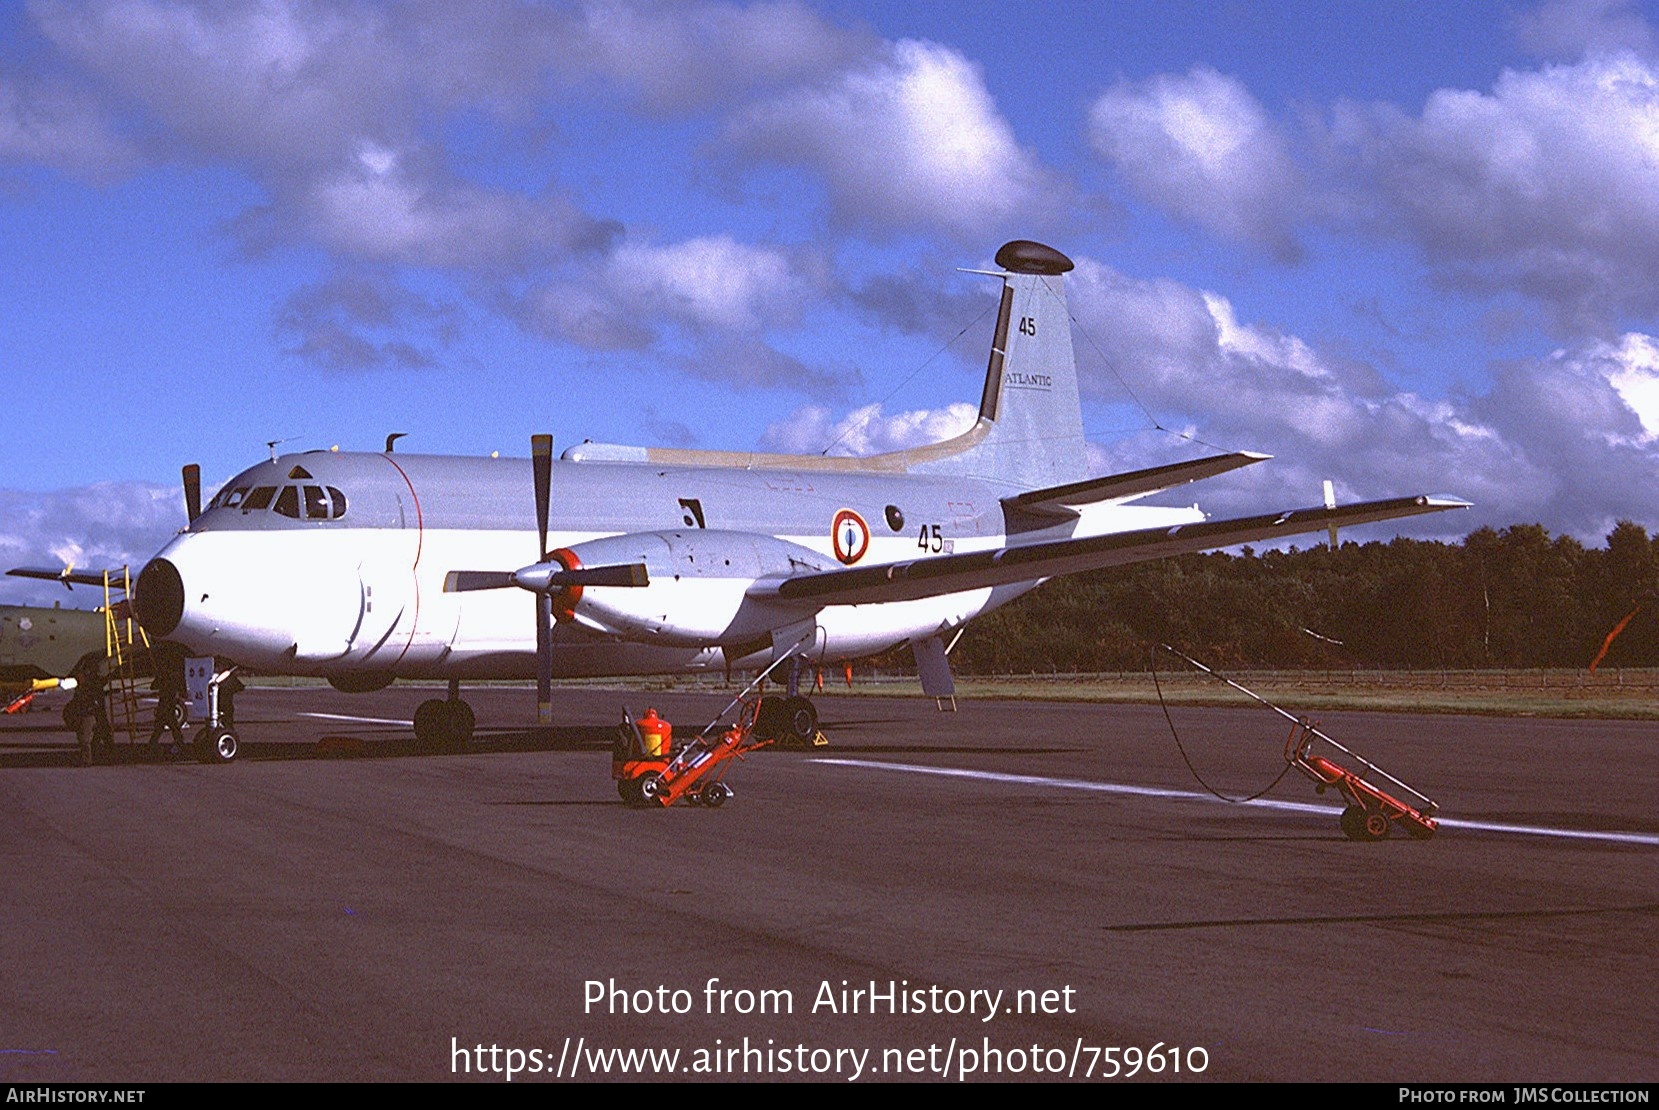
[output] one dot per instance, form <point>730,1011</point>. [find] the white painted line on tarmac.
<point>1194,796</point>
<point>360,720</point>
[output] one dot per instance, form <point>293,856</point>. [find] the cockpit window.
<point>339,502</point>
<point>288,502</point>
<point>260,498</point>
<point>299,472</point>
<point>316,503</point>
<point>228,498</point>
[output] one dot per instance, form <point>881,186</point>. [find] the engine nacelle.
<point>699,580</point>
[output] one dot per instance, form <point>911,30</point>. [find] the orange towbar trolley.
<point>649,772</point>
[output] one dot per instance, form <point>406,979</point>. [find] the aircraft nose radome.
<point>158,597</point>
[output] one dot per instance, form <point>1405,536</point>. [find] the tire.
<point>650,787</point>
<point>800,721</point>
<point>623,792</point>
<point>771,720</point>
<point>430,719</point>
<point>221,745</point>
<point>1375,825</point>
<point>462,721</point>
<point>1351,821</point>
<point>716,794</point>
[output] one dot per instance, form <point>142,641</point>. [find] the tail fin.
<point>1030,428</point>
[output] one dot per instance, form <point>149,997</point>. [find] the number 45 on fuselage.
<point>365,568</point>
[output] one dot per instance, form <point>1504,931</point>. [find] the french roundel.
<point>850,536</point>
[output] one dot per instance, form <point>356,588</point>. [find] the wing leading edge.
<point>70,577</point>
<point>976,570</point>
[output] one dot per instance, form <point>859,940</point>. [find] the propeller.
<point>553,572</point>
<point>192,491</point>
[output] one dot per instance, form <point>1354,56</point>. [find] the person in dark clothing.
<point>87,714</point>
<point>170,701</point>
<point>228,689</point>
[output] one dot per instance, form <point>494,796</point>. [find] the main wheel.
<point>800,721</point>
<point>772,719</point>
<point>1375,826</point>
<point>430,720</point>
<point>461,720</point>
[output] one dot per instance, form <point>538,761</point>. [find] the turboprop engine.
<point>686,588</point>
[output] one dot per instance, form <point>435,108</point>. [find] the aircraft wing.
<point>975,570</point>
<point>69,577</point>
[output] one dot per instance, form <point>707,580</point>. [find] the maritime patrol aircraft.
<point>363,568</point>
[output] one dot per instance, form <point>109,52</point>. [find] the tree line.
<point>1511,597</point>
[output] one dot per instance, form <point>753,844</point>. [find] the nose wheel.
<point>216,744</point>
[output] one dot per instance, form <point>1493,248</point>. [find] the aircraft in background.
<point>364,568</point>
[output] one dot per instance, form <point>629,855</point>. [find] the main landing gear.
<point>444,724</point>
<point>792,720</point>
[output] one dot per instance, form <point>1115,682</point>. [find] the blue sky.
<point>1407,247</point>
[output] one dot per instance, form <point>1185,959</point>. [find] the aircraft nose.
<point>158,597</point>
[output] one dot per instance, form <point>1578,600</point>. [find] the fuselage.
<point>333,564</point>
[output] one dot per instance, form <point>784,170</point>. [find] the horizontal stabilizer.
<point>70,577</point>
<point>980,569</point>
<point>1058,500</point>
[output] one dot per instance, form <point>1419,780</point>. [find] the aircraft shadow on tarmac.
<point>50,746</point>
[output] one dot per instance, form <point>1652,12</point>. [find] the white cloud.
<point>106,525</point>
<point>1567,29</point>
<point>712,281</point>
<point>1200,146</point>
<point>706,284</point>
<point>1548,186</point>
<point>1561,439</point>
<point>54,125</point>
<point>685,56</point>
<point>911,137</point>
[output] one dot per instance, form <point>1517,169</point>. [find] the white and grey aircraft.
<point>364,568</point>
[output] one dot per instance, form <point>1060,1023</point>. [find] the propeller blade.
<point>546,577</point>
<point>553,576</point>
<point>192,491</point>
<point>623,574</point>
<point>541,459</point>
<point>544,659</point>
<point>541,462</point>
<point>464,581</point>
